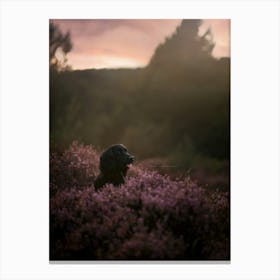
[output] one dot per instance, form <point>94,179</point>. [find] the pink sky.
<point>117,43</point>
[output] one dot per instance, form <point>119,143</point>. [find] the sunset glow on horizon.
<point>129,43</point>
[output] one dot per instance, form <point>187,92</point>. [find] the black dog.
<point>113,166</point>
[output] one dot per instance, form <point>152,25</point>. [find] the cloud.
<point>97,27</point>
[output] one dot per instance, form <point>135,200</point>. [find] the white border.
<point>254,138</point>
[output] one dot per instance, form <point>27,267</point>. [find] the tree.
<point>58,42</point>
<point>184,47</point>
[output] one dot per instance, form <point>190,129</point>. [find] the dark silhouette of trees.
<point>184,46</point>
<point>61,41</point>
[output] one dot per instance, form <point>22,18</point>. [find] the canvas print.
<point>139,140</point>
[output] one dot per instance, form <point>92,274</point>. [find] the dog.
<point>114,164</point>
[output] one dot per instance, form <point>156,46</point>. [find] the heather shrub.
<point>77,166</point>
<point>150,217</point>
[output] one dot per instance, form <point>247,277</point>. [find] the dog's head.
<point>115,159</point>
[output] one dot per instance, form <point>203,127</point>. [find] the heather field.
<point>150,217</point>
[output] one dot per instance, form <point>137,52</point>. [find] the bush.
<point>76,167</point>
<point>150,217</point>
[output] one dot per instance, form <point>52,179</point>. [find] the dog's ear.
<point>108,162</point>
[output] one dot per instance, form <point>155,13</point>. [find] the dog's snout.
<point>131,158</point>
